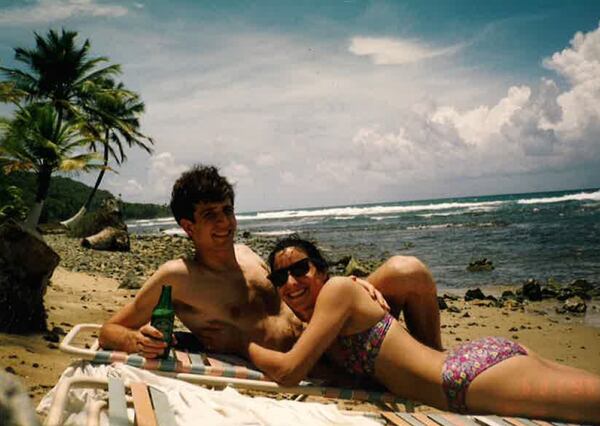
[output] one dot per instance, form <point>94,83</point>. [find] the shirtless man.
<point>223,292</point>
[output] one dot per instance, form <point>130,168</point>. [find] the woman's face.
<point>299,292</point>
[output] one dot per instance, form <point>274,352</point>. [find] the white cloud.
<point>297,126</point>
<point>579,64</point>
<point>265,160</point>
<point>477,125</point>
<point>530,130</point>
<point>128,190</point>
<point>55,10</point>
<point>237,173</point>
<point>388,51</point>
<point>163,171</point>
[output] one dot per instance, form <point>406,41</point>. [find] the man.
<point>223,292</point>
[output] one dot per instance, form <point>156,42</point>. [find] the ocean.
<point>534,235</point>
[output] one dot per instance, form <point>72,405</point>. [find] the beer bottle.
<point>163,317</point>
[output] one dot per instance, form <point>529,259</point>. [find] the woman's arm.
<point>332,310</point>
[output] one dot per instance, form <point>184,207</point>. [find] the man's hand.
<point>373,292</point>
<point>149,341</point>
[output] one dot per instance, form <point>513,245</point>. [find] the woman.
<point>491,375</point>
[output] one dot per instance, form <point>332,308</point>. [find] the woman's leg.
<point>534,387</point>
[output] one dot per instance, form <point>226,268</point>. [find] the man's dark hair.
<point>306,246</point>
<point>199,184</point>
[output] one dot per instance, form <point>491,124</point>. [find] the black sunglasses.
<point>298,269</point>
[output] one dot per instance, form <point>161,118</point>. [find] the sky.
<point>318,103</point>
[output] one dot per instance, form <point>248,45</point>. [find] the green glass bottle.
<point>163,317</point>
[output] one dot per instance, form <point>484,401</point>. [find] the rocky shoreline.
<point>148,252</point>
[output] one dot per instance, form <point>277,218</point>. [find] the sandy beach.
<point>78,297</point>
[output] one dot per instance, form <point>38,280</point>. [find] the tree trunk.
<point>74,220</point>
<point>43,184</point>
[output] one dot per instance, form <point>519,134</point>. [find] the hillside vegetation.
<point>66,196</point>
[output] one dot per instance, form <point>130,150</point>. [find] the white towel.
<point>193,404</point>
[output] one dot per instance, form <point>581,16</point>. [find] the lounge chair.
<point>127,402</point>
<point>151,408</point>
<point>221,371</point>
<point>218,370</point>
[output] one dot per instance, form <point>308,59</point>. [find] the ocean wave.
<point>152,222</point>
<point>366,210</point>
<point>384,217</point>
<point>441,214</point>
<point>174,231</point>
<point>457,225</point>
<point>274,233</point>
<point>582,196</point>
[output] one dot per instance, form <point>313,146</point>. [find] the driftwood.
<point>110,238</point>
<point>26,265</point>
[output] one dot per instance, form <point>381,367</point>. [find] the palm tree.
<point>112,120</point>
<point>58,71</point>
<point>33,141</point>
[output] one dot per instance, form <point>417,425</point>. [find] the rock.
<point>454,309</point>
<point>58,331</point>
<point>507,294</point>
<point>15,405</point>
<point>52,337</point>
<point>355,268</point>
<point>581,288</point>
<point>480,265</point>
<point>580,285</point>
<point>130,281</point>
<point>26,265</point>
<point>442,303</point>
<point>110,238</point>
<point>532,290</point>
<point>474,294</point>
<point>575,305</point>
<point>565,293</point>
<point>549,292</point>
<point>447,296</point>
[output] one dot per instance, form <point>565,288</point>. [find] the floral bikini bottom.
<point>467,361</point>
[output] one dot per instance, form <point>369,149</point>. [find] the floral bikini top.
<point>358,351</point>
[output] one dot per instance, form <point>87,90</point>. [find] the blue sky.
<point>311,103</point>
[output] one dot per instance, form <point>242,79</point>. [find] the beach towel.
<point>193,404</point>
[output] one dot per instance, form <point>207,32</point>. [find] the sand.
<point>76,297</point>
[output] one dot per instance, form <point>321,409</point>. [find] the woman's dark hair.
<point>306,246</point>
<point>200,184</point>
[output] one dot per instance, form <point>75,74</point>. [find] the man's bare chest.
<point>237,302</point>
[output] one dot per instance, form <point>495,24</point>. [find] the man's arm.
<point>129,329</point>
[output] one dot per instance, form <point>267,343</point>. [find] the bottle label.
<point>165,326</point>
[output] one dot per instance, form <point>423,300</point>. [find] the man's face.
<point>214,225</point>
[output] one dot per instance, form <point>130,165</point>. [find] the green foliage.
<point>11,204</point>
<point>145,211</point>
